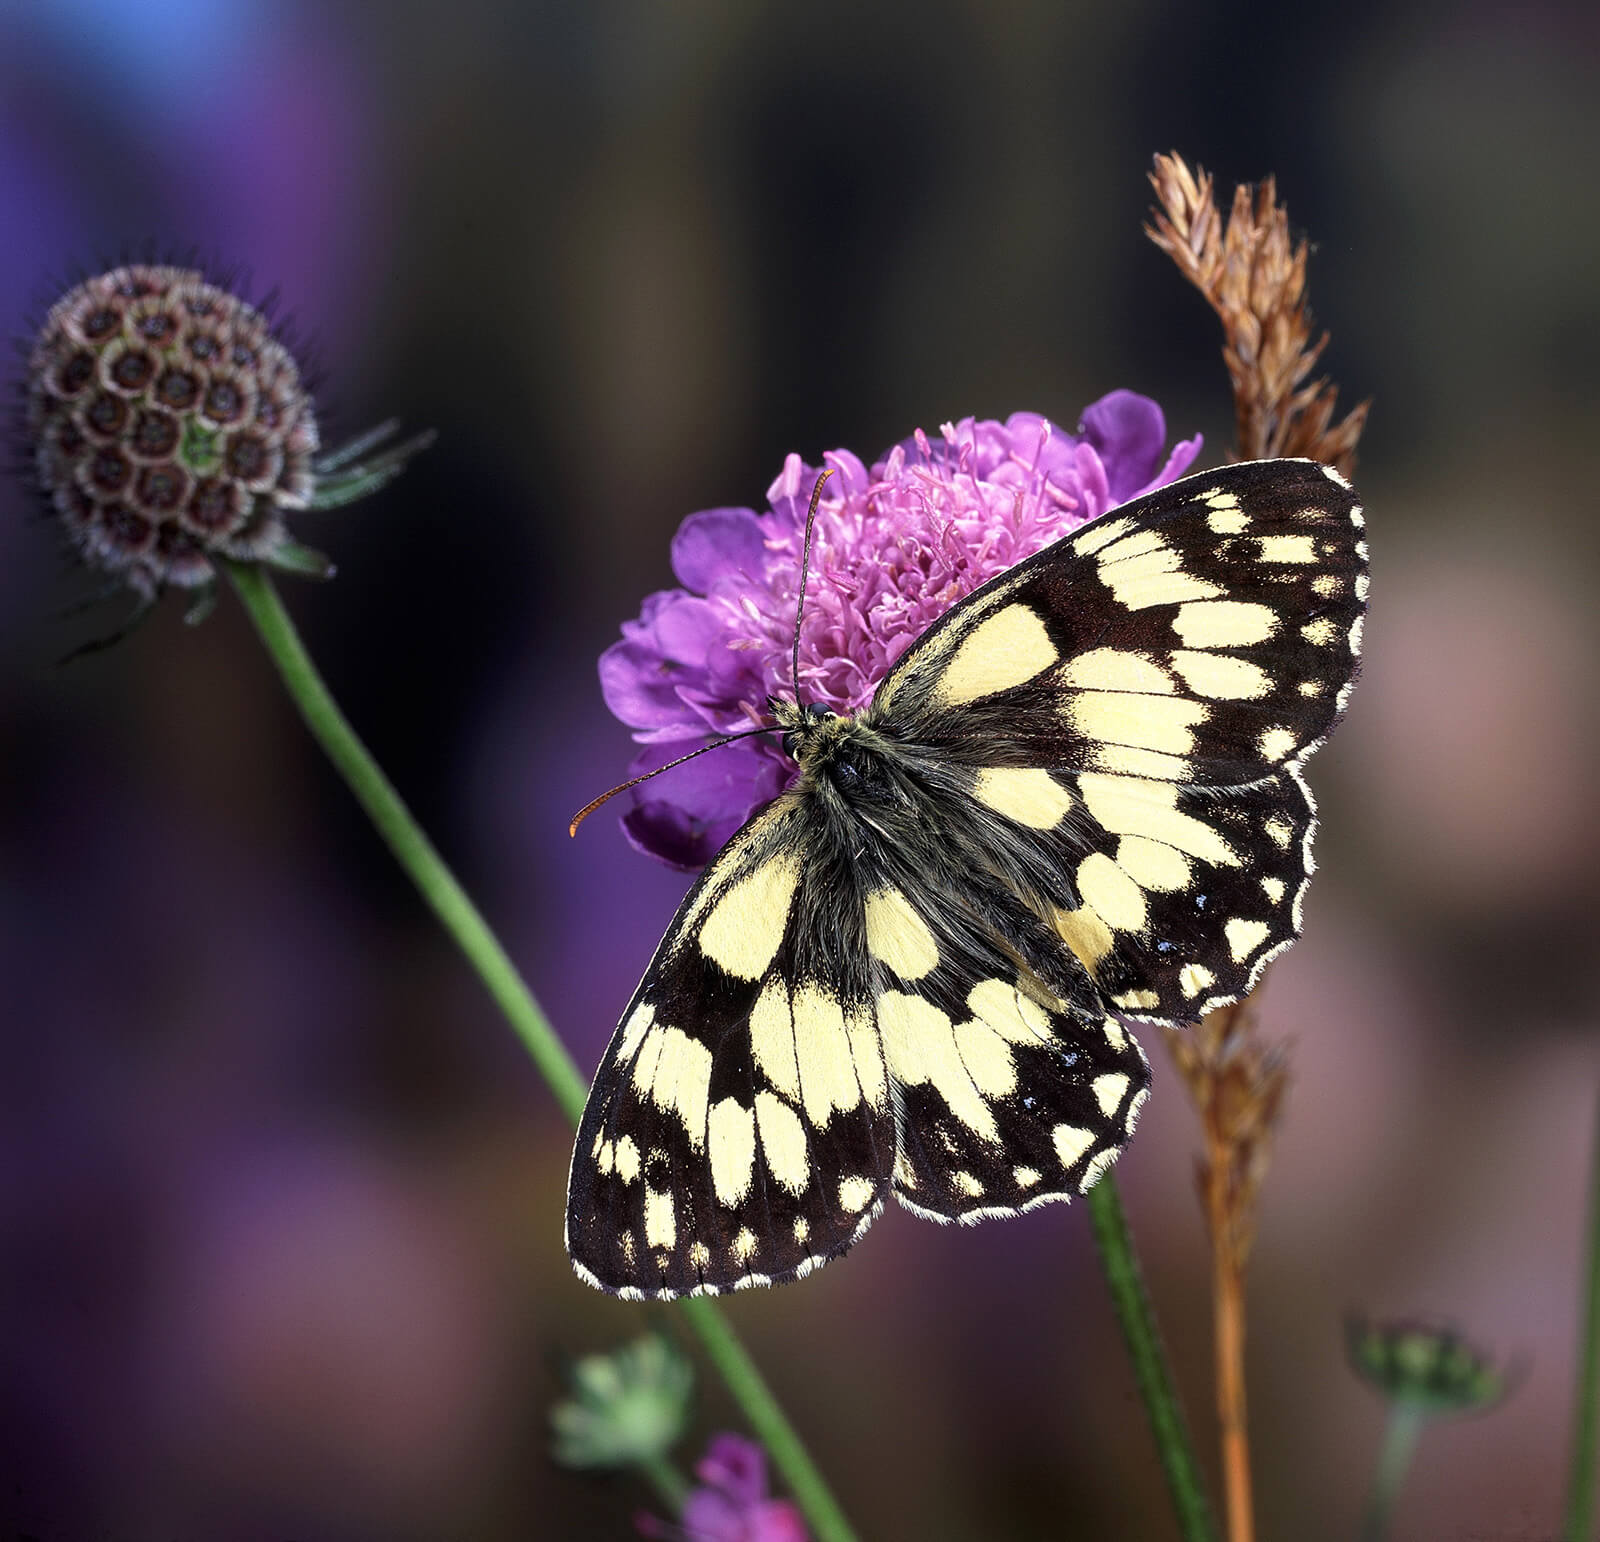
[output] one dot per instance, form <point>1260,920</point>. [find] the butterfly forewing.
<point>1139,699</point>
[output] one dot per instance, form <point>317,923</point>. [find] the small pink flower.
<point>732,1503</point>
<point>894,547</point>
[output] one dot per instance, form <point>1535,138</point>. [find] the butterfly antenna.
<point>605,797</point>
<point>805,567</point>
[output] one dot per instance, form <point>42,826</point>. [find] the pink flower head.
<point>893,549</point>
<point>732,1504</point>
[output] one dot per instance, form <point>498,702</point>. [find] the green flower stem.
<point>460,917</point>
<point>667,1481</point>
<point>1400,1435</point>
<point>1121,1265</point>
<point>1586,1414</point>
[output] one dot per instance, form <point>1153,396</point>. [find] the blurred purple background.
<point>280,1232</point>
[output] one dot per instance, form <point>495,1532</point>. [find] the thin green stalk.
<point>1586,1414</point>
<point>1400,1435</point>
<point>667,1481</point>
<point>1121,1265</point>
<point>437,885</point>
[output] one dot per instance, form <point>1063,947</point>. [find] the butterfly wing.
<point>740,1130</point>
<point>1012,1085</point>
<point>1125,716</point>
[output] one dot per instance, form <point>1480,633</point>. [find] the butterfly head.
<point>805,728</point>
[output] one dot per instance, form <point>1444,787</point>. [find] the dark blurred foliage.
<point>280,1199</point>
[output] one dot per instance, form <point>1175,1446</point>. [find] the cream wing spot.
<point>1127,805</point>
<point>1138,1000</point>
<point>783,1142</point>
<point>743,1247</point>
<point>772,1039</point>
<point>987,1057</point>
<point>1111,894</point>
<point>802,1230</point>
<point>866,1050</point>
<point>699,1255</point>
<point>1229,521</point>
<point>1288,548</point>
<point>1116,669</point>
<point>683,1081</point>
<point>968,1185</point>
<point>660,1219</point>
<point>744,928</point>
<point>1108,1091</point>
<point>1122,760</point>
<point>1280,832</point>
<point>1155,577</point>
<point>1274,889</point>
<point>920,1043</point>
<point>1139,544</point>
<point>855,1194</point>
<point>1115,1037</point>
<point>644,1065</point>
<point>1030,796</point>
<point>1221,676</point>
<point>1071,1142</point>
<point>1085,934</point>
<point>1276,743</point>
<point>1224,623</point>
<point>898,936</point>
<point>1001,651</point>
<point>1319,633</point>
<point>1101,533</point>
<point>827,1066</point>
<point>1244,937</point>
<point>1026,1177</point>
<point>732,1143</point>
<point>1164,723</point>
<point>1154,865</point>
<point>1008,1012</point>
<point>628,1159</point>
<point>634,1030</point>
<point>1194,978</point>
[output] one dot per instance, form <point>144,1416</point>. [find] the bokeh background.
<point>280,1200</point>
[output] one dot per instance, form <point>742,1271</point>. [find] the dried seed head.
<point>169,426</point>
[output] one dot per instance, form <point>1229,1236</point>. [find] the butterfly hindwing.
<point>1136,702</point>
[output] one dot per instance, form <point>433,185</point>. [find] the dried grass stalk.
<point>1255,278</point>
<point>1237,1084</point>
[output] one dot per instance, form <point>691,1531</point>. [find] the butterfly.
<point>1074,803</point>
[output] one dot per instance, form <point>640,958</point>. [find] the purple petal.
<point>736,1466</point>
<point>777,1520</point>
<point>1127,431</point>
<point>1182,457</point>
<point>711,1517</point>
<point>717,542</point>
<point>639,687</point>
<point>687,815</point>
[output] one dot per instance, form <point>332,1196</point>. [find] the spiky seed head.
<point>169,426</point>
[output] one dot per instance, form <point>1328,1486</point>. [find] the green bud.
<point>1425,1367</point>
<point>626,1408</point>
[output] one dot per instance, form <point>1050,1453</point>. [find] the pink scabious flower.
<point>895,546</point>
<point>732,1504</point>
